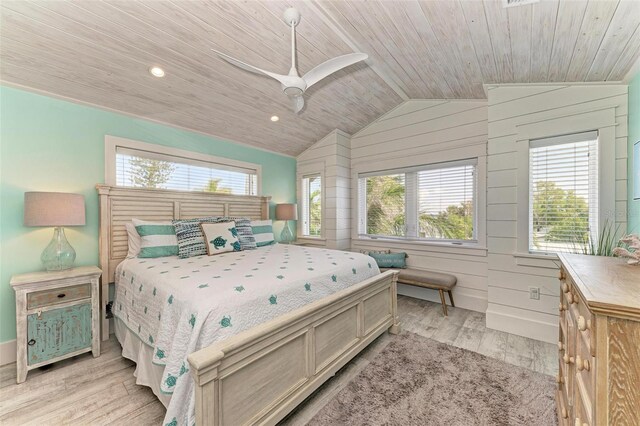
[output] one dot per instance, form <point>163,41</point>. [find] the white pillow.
<point>133,239</point>
<point>220,237</point>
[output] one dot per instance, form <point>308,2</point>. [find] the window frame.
<point>310,169</point>
<point>303,177</point>
<point>556,141</point>
<point>604,122</point>
<point>112,143</point>
<point>412,201</point>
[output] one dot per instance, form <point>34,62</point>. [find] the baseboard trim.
<point>461,298</point>
<point>526,327</point>
<point>8,352</point>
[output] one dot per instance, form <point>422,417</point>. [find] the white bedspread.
<point>178,306</point>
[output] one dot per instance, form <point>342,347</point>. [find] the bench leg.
<point>451,298</point>
<point>444,304</point>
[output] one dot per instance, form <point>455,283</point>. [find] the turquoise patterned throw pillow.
<point>390,260</point>
<point>157,239</point>
<point>263,232</point>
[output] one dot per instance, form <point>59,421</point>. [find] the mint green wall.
<point>52,145</point>
<point>634,136</point>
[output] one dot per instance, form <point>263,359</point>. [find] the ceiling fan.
<point>292,84</point>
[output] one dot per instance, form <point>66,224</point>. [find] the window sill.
<point>307,238</point>
<point>476,249</point>
<point>550,256</point>
<point>538,260</point>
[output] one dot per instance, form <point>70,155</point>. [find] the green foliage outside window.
<point>315,213</point>
<point>559,216</point>
<point>386,205</point>
<point>455,223</point>
<point>147,173</point>
<point>214,186</point>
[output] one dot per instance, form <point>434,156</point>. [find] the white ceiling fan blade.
<point>251,68</point>
<point>331,66</point>
<point>297,102</point>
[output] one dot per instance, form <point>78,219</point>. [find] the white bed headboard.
<point>119,205</point>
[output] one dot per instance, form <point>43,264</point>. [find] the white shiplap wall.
<point>518,113</point>
<point>331,157</point>
<point>422,132</point>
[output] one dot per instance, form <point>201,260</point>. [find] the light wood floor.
<point>86,390</point>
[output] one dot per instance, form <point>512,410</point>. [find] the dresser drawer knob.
<point>61,295</point>
<point>565,288</point>
<point>31,342</point>
<point>583,324</point>
<point>561,307</point>
<point>567,359</point>
<point>582,364</point>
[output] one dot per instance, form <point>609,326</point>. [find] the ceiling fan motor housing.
<point>291,16</point>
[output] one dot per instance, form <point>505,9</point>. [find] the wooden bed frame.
<point>261,374</point>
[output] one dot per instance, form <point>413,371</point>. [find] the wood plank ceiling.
<point>99,52</point>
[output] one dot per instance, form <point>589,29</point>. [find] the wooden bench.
<point>429,279</point>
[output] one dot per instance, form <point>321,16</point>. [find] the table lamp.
<point>286,212</point>
<point>55,209</point>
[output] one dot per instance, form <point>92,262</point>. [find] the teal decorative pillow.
<point>220,237</point>
<point>190,238</point>
<point>263,232</point>
<point>390,260</point>
<point>157,239</point>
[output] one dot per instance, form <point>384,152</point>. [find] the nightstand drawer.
<point>57,332</point>
<point>54,296</point>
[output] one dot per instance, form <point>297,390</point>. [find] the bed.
<point>242,337</point>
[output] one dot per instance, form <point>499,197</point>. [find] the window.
<point>143,165</point>
<point>434,202</point>
<point>312,205</point>
<point>563,193</point>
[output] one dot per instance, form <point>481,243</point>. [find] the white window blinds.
<point>563,193</point>
<point>312,205</point>
<point>432,202</point>
<point>139,168</point>
<point>446,202</point>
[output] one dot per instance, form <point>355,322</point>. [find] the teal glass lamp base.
<point>58,255</point>
<point>286,236</point>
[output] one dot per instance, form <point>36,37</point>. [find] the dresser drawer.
<point>581,414</point>
<point>54,296</point>
<point>564,411</point>
<point>585,322</point>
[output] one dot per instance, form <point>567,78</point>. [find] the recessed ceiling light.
<point>275,118</point>
<point>156,71</point>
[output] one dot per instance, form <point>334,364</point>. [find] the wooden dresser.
<point>599,344</point>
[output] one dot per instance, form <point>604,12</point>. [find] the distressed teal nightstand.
<point>57,316</point>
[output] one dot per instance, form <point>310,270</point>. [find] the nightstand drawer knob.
<point>61,295</point>
<point>31,342</point>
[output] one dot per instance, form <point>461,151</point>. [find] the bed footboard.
<point>260,375</point>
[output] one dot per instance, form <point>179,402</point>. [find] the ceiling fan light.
<point>156,71</point>
<point>292,91</point>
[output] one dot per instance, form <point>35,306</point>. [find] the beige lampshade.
<point>286,212</point>
<point>53,209</point>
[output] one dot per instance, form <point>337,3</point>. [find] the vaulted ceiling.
<point>99,52</point>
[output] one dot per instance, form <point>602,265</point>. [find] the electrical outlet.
<point>534,293</point>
